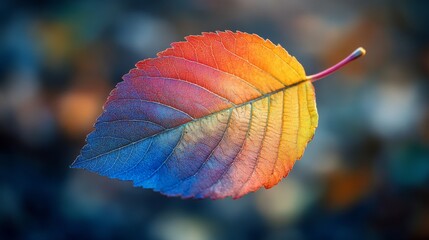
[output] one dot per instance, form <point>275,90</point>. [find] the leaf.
<point>221,114</point>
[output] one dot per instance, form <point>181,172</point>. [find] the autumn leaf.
<point>221,114</point>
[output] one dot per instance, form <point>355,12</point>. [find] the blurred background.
<point>365,174</point>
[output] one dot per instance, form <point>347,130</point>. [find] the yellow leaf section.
<point>289,124</point>
<point>300,120</point>
<point>271,58</point>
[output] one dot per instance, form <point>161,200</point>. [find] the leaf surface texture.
<point>221,114</point>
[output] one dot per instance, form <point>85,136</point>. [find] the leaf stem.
<point>354,55</point>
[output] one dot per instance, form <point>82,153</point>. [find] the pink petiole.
<point>354,55</point>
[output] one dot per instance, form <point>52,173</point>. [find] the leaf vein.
<point>233,161</point>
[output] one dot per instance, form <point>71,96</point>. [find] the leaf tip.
<point>77,163</point>
<point>73,165</point>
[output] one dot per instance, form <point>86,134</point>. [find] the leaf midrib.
<point>194,120</point>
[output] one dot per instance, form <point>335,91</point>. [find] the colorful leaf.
<point>221,114</point>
